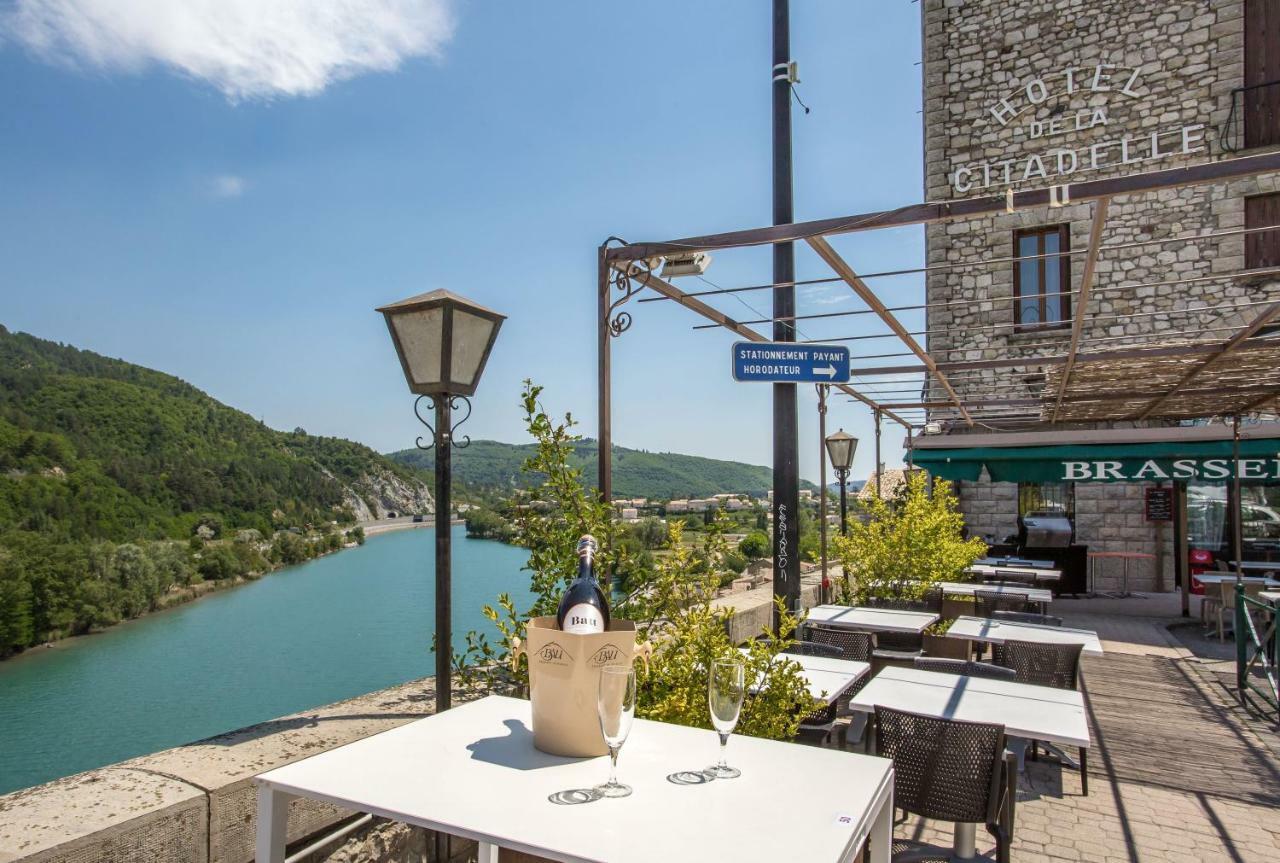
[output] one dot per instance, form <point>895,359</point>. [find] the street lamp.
<point>840,448</point>
<point>443,342</point>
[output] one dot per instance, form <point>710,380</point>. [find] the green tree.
<point>907,545</point>
<point>219,563</point>
<point>754,545</point>
<point>670,603</point>
<point>16,629</point>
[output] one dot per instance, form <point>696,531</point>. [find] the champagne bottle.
<point>584,610</point>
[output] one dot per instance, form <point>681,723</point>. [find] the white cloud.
<point>245,48</point>
<point>227,186</point>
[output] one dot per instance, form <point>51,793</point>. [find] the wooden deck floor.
<point>1156,721</point>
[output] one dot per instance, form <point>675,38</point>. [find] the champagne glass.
<point>726,688</point>
<point>616,705</point>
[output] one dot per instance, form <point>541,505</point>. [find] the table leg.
<point>880,839</point>
<point>965,841</point>
<point>273,824</point>
<point>488,853</point>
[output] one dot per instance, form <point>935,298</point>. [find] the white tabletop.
<point>871,619</point>
<point>1257,565</point>
<point>997,631</point>
<point>1221,577</point>
<point>1271,596</point>
<point>473,772</point>
<point>827,676</point>
<point>1035,594</point>
<point>1036,573</point>
<point>1038,712</point>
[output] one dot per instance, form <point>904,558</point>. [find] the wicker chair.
<point>1004,576</point>
<point>965,667</point>
<point>853,643</point>
<point>1023,617</point>
<point>949,771</point>
<point>819,723</point>
<point>856,645</point>
<point>1056,665</point>
<point>987,601</point>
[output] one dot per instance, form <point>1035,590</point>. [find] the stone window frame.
<point>1063,230</point>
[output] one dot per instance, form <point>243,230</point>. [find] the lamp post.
<point>443,342</point>
<point>840,447</point>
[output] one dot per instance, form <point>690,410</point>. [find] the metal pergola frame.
<point>625,269</point>
<point>1083,384</point>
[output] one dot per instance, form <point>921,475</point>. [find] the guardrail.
<point>1254,118</point>
<point>1256,652</point>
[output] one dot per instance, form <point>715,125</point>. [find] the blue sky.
<point>177,206</point>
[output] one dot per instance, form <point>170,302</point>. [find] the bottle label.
<point>584,619</point>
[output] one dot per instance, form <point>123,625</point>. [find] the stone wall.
<point>995,75</point>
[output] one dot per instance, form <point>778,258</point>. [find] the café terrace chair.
<point>1027,617</point>
<point>818,724</point>
<point>855,645</point>
<point>964,666</point>
<point>985,602</point>
<point>1224,610</point>
<point>1056,665</point>
<point>948,770</point>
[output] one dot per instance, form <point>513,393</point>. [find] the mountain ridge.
<point>495,466</point>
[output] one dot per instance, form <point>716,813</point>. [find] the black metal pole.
<point>786,445</point>
<point>879,464</point>
<point>822,488</point>
<point>844,502</point>
<point>604,375</point>
<point>1237,535</point>
<point>444,598</point>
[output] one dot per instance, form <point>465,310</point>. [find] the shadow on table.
<point>515,750</point>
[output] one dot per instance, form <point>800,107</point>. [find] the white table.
<point>871,619</point>
<point>987,571</point>
<point>1033,712</point>
<point>1271,596</point>
<point>1035,594</point>
<point>1256,565</point>
<point>827,676</point>
<point>1227,577</point>
<point>473,772</point>
<point>999,631</point>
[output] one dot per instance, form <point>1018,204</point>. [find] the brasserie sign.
<point>1032,111</point>
<point>1158,469</point>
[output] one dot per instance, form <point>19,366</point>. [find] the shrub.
<point>906,545</point>
<point>670,601</point>
<point>754,545</point>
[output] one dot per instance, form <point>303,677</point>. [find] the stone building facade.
<point>1038,93</point>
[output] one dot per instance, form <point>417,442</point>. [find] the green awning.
<point>1200,461</point>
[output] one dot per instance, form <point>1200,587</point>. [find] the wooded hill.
<point>494,466</point>
<point>96,452</point>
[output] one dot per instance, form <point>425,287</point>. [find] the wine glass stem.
<point>724,742</point>
<point>613,765</point>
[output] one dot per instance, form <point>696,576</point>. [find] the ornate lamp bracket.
<point>447,435</point>
<point>624,283</point>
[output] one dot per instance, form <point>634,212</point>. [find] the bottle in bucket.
<point>584,610</point>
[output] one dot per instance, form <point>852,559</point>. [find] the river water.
<point>329,629</point>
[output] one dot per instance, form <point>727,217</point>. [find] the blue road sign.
<point>788,362</point>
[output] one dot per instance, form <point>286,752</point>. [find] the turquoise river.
<point>346,624</point>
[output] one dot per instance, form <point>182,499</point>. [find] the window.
<point>1041,277</point>
<point>1056,498</point>
<point>1261,92</point>
<point>1263,248</point>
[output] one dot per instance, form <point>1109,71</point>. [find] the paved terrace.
<point>1179,771</point>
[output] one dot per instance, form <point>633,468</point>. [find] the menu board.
<point>1159,504</point>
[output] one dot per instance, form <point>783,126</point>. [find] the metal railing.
<point>1254,118</point>
<point>1256,651</point>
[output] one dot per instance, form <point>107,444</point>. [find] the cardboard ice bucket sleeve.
<point>564,681</point>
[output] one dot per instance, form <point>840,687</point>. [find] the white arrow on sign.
<point>829,371</point>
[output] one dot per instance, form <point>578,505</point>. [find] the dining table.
<point>1033,573</point>
<point>999,631</point>
<point>473,772</point>
<point>872,619</point>
<point>1041,713</point>
<point>967,588</point>
<point>828,677</point>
